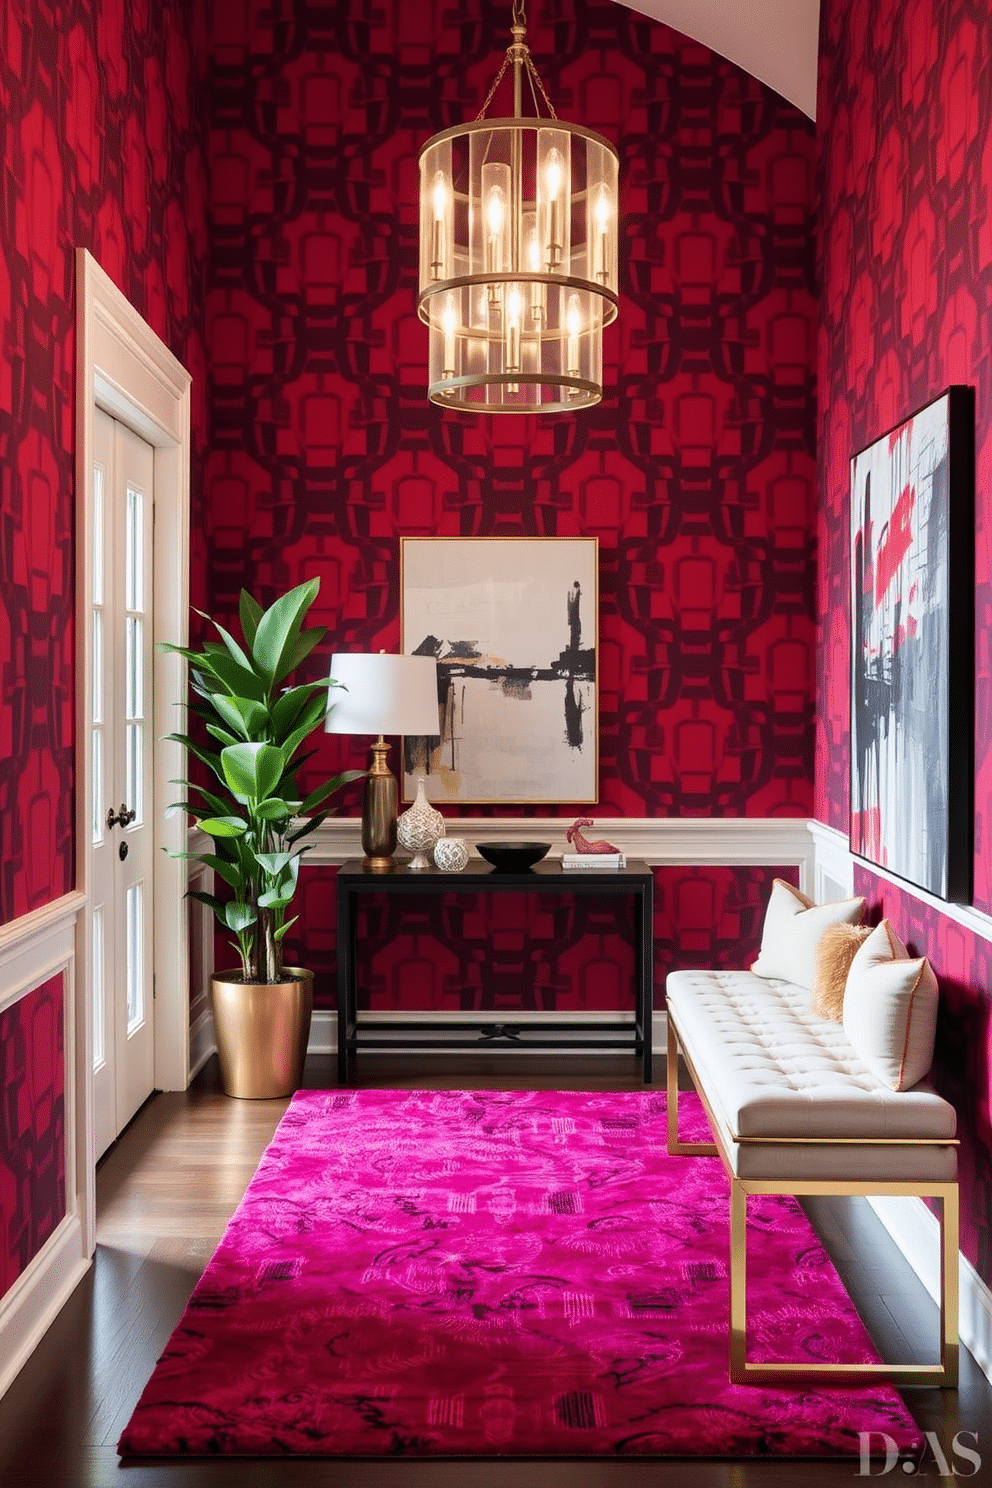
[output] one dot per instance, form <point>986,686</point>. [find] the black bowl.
<point>512,857</point>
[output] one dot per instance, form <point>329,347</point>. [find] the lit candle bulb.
<point>603,213</point>
<point>495,217</point>
<point>538,294</point>
<point>514,306</point>
<point>573,325</point>
<point>554,177</point>
<point>437,242</point>
<point>449,322</point>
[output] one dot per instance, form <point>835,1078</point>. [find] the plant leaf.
<point>205,756</point>
<point>306,642</point>
<point>316,797</point>
<point>253,770</point>
<point>223,826</point>
<point>235,679</point>
<point>249,613</point>
<point>210,900</point>
<point>278,632</point>
<point>286,709</point>
<point>222,735</point>
<point>274,899</point>
<point>233,648</point>
<point>226,870</point>
<point>249,719</point>
<point>273,810</point>
<point>274,863</point>
<point>278,935</point>
<point>239,916</point>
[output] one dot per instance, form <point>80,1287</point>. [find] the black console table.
<point>548,877</point>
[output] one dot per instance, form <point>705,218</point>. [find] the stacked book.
<point>593,860</point>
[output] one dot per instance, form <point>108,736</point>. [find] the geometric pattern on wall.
<point>697,471</point>
<point>533,952</point>
<point>102,116</point>
<point>32,1126</point>
<point>905,170</point>
<point>905,178</point>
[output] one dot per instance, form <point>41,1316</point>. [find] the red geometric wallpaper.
<point>102,115</point>
<point>905,171</point>
<point>696,473</point>
<point>32,1126</point>
<point>528,952</point>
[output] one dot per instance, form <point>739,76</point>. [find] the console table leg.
<point>644,933</point>
<point>346,976</point>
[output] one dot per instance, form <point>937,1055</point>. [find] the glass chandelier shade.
<point>518,258</point>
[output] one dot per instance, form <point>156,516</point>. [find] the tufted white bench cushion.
<point>785,1085</point>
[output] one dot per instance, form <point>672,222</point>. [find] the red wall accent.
<point>103,111</point>
<point>906,264</point>
<point>32,1126</point>
<point>528,953</point>
<point>696,472</point>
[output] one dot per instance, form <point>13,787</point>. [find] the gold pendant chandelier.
<point>518,255</point>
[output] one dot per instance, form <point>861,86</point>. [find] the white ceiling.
<point>774,40</point>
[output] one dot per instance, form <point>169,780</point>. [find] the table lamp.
<point>386,695</point>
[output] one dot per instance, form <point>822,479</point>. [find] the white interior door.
<point>122,744</point>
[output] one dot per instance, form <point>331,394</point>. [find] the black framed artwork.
<point>912,647</point>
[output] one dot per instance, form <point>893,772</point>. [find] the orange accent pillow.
<point>836,949</point>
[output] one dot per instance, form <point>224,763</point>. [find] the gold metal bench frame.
<point>945,1373</point>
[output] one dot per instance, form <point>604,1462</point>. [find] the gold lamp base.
<point>379,812</point>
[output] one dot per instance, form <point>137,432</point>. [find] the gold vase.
<point>262,1029</point>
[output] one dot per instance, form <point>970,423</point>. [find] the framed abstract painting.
<point>912,647</point>
<point>513,624</point>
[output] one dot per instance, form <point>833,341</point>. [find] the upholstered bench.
<point>796,1107</point>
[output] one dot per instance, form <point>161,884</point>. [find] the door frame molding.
<point>124,368</point>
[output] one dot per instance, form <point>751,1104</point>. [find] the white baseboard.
<point>29,1308</point>
<point>202,1042</point>
<point>324,1029</point>
<point>917,1233</point>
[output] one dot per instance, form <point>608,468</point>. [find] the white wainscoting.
<point>34,948</point>
<point>909,1222</point>
<point>681,841</point>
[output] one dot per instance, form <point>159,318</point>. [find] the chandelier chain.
<point>536,77</point>
<point>519,13</point>
<point>496,82</point>
<point>532,73</point>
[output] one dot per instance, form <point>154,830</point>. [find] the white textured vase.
<point>419,828</point>
<point>450,854</point>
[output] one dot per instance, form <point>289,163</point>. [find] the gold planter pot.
<point>262,1030</point>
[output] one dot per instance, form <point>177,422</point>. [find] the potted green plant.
<point>257,819</point>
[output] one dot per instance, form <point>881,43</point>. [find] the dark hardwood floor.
<point>165,1192</point>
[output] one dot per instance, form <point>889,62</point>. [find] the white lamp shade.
<point>386,694</point>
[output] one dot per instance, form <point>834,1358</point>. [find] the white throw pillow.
<point>793,926</point>
<point>890,1009</point>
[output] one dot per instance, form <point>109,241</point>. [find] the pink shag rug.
<point>485,1274</point>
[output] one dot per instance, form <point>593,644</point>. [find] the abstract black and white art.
<point>513,625</point>
<point>912,623</point>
